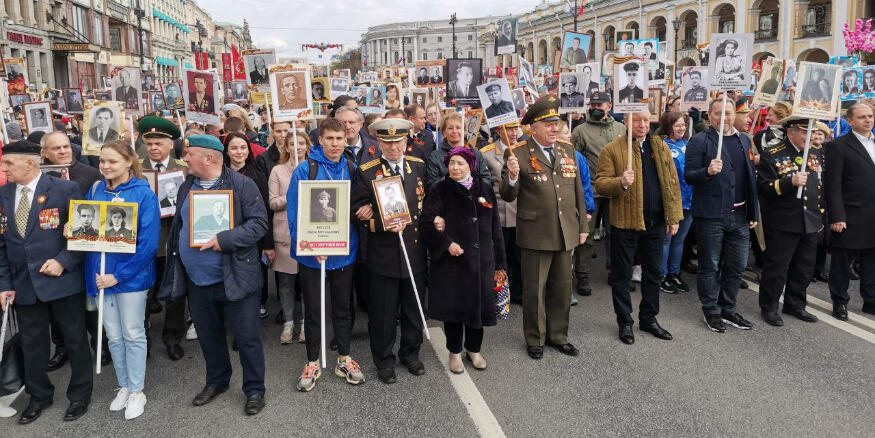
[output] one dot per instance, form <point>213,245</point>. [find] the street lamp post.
<point>607,37</point>
<point>574,14</point>
<point>676,23</point>
<point>140,13</point>
<point>453,24</point>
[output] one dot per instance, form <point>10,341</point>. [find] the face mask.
<point>596,114</point>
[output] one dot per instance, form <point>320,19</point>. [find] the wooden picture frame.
<point>168,206</point>
<point>151,176</point>
<point>32,110</point>
<point>393,211</point>
<point>655,103</point>
<point>205,220</point>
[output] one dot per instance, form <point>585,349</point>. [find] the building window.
<point>425,56</point>
<point>440,55</point>
<point>440,39</point>
<point>115,39</point>
<point>97,24</point>
<point>470,37</point>
<point>424,40</point>
<point>470,54</point>
<point>80,20</point>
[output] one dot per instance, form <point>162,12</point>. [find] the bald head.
<point>56,148</point>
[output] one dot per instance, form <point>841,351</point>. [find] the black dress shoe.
<point>743,285</point>
<point>76,409</point>
<point>840,311</point>
<point>654,329</point>
<point>416,368</point>
<point>772,318</point>
<point>208,394</point>
<point>566,349</point>
<point>175,352</point>
<point>821,276</point>
<point>626,334</point>
<point>853,275</point>
<point>105,357</point>
<point>801,314</point>
<point>32,412</point>
<point>58,360</point>
<point>386,375</point>
<point>869,308</point>
<point>254,404</point>
<point>535,352</point>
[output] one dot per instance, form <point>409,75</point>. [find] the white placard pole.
<point>181,128</point>
<point>100,316</point>
<point>722,126</point>
<point>322,310</point>
<point>413,282</point>
<point>3,326</point>
<point>805,154</point>
<point>131,133</point>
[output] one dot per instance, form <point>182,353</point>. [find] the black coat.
<point>461,289</point>
<point>713,196</point>
<point>848,179</point>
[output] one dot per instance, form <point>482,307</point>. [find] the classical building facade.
<point>170,39</point>
<point>397,43</point>
<point>213,38</point>
<point>802,30</point>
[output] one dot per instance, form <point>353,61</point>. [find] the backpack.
<point>314,168</point>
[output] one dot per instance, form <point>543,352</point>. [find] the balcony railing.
<point>813,30</point>
<point>766,35</point>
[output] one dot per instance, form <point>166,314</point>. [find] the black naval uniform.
<point>389,283</point>
<point>791,225</point>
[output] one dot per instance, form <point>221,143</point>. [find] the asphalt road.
<point>798,380</point>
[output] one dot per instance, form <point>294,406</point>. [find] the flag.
<point>201,61</point>
<point>227,68</point>
<point>239,72</point>
<point>580,11</point>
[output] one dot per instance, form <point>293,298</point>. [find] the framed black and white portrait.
<point>38,116</point>
<point>463,78</point>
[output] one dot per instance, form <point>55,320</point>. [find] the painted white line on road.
<point>486,423</point>
<point>830,320</point>
<point>827,307</point>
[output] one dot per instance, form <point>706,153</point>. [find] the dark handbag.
<point>12,367</point>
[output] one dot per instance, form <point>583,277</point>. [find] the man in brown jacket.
<point>645,205</point>
<point>541,175</point>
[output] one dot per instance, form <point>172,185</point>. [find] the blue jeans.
<point>126,334</point>
<point>723,246</point>
<point>673,248</point>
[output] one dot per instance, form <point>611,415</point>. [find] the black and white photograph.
<point>173,95</point>
<point>339,87</point>
<point>319,89</point>
<point>391,201</point>
<point>572,92</point>
<point>505,38</point>
<point>418,96</point>
<point>102,226</point>
<point>852,84</point>
<point>106,81</point>
<point>127,88</point>
<point>86,219</point>
<point>210,212</point>
<point>869,81</point>
<point>591,72</point>
<point>473,121</point>
<point>239,91</point>
<point>320,71</point>
<point>694,88</point>
<point>156,101</point>
<point>104,121</point>
<point>52,95</point>
<point>323,205</point>
<point>38,116</point>
<point>769,84</point>
<point>291,92</point>
<point>575,49</point>
<point>16,100</point>
<point>433,71</point>
<point>341,73</point>
<point>200,89</point>
<point>630,84</point>
<point>148,81</point>
<point>119,223</point>
<point>73,96</point>
<point>518,96</point>
<point>368,76</point>
<point>168,188</point>
<point>730,60</point>
<point>497,103</point>
<point>374,98</point>
<point>817,92</point>
<point>463,78</point>
<point>256,64</point>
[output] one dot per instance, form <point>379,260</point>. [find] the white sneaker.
<point>6,411</point>
<point>636,273</point>
<point>121,400</point>
<point>286,335</point>
<point>136,405</point>
<point>191,334</point>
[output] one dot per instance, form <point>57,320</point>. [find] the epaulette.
<point>777,148</point>
<point>414,159</point>
<point>564,142</point>
<point>488,148</point>
<point>518,145</point>
<point>370,164</point>
<point>180,162</point>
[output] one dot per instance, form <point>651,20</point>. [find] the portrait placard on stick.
<point>323,218</point>
<point>172,96</point>
<point>630,81</point>
<point>101,226</point>
<point>497,102</point>
<point>290,95</point>
<point>852,84</point>
<point>38,116</point>
<point>473,120</point>
<point>769,84</point>
<point>575,49</point>
<point>463,78</point>
<point>694,93</point>
<point>255,63</point>
<point>168,187</point>
<point>104,122</point>
<point>127,88</point>
<point>201,94</point>
<point>430,73</point>
<point>210,212</point>
<point>729,62</point>
<point>818,95</point>
<point>572,92</point>
<point>391,201</point>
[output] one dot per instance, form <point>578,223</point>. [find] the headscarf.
<point>466,155</point>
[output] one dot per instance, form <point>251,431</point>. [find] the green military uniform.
<point>551,215</point>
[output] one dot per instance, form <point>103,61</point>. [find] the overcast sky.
<point>286,24</point>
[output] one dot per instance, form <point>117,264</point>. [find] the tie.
<point>22,211</point>
<point>549,152</point>
<point>100,136</point>
<point>160,167</point>
<point>397,170</point>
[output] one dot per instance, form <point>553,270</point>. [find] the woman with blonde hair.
<point>452,136</point>
<point>774,133</point>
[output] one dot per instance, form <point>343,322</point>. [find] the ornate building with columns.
<point>802,30</point>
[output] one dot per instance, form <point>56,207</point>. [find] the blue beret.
<point>205,141</point>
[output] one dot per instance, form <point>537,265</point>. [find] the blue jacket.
<point>678,151</point>
<point>22,256</point>
<point>587,185</point>
<point>241,257</point>
<point>328,170</point>
<point>714,196</point>
<point>134,272</point>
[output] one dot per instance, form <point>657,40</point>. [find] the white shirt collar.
<point>399,163</point>
<point>862,139</point>
<point>164,163</point>
<point>31,185</point>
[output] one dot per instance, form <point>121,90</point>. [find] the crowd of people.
<point>521,204</point>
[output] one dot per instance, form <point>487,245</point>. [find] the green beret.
<point>157,127</point>
<point>546,109</point>
<point>206,142</point>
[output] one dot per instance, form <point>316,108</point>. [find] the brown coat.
<point>278,186</point>
<point>494,156</point>
<point>627,206</point>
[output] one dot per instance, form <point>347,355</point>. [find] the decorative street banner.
<point>101,226</point>
<point>506,38</point>
<point>818,95</point>
<point>323,218</point>
<point>729,62</point>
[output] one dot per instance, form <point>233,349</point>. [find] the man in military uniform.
<point>791,224</point>
<point>541,175</point>
<point>574,54</point>
<point>86,221</point>
<point>393,205</point>
<point>696,93</point>
<point>385,258</point>
<point>497,106</point>
<point>158,136</point>
<point>631,93</point>
<point>770,86</point>
<point>570,98</point>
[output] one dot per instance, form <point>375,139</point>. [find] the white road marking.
<point>827,307</point>
<point>486,423</point>
<point>830,320</point>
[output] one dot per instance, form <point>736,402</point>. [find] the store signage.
<point>24,39</point>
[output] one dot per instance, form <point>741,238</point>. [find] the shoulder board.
<point>488,148</point>
<point>414,159</point>
<point>180,162</point>
<point>142,160</point>
<point>518,145</point>
<point>777,148</point>
<point>370,164</point>
<point>564,142</point>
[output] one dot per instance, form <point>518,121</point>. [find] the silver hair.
<point>344,109</point>
<point>45,138</point>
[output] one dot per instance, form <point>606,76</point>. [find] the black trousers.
<point>514,269</point>
<point>649,245</point>
<point>788,264</point>
<point>211,310</point>
<point>90,326</point>
<point>456,331</point>
<point>68,315</point>
<point>338,284</point>
<point>840,268</point>
<point>390,296</point>
<point>175,325</point>
<point>583,255</point>
<point>361,284</point>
